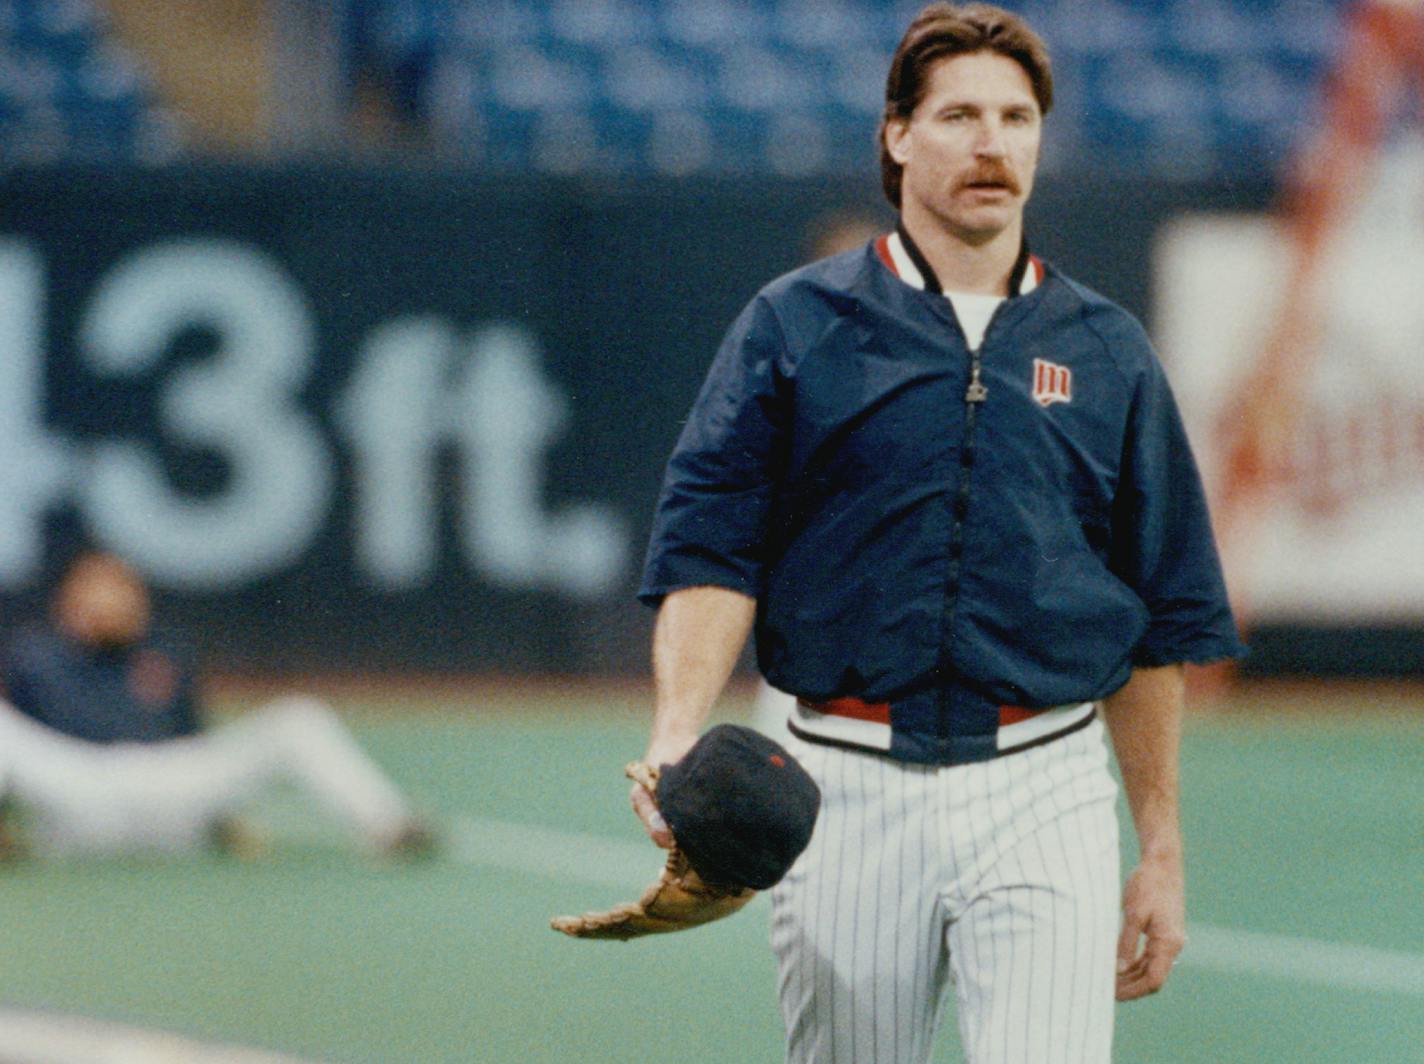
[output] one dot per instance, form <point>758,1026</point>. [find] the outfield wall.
<point>378,419</point>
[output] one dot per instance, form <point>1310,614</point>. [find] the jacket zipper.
<point>974,395</point>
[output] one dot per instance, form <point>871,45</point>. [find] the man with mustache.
<point>948,488</point>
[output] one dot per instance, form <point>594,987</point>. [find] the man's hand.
<point>660,752</point>
<point>699,633</point>
<point>1144,718</point>
<point>1154,906</point>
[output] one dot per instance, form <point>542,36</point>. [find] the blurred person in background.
<point>839,231</point>
<point>1373,108</point>
<point>103,750</point>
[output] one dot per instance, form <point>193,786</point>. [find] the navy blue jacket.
<point>142,693</point>
<point>908,541</point>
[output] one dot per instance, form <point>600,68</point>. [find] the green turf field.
<point>1305,831</point>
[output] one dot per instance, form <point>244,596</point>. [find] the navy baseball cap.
<point>740,807</point>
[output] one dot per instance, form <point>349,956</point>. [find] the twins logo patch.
<point>1052,383</point>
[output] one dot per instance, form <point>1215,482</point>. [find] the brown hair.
<point>943,30</point>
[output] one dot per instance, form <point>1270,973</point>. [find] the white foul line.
<point>602,861</point>
<point>39,1037</point>
<point>1305,960</point>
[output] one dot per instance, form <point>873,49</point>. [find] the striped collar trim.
<point>902,258</point>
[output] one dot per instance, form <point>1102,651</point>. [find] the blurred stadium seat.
<point>70,93</point>
<point>1161,88</point>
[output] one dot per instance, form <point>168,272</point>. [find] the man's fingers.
<point>1148,973</point>
<point>647,811</point>
<point>1127,941</point>
<point>1141,981</point>
<point>1132,986</point>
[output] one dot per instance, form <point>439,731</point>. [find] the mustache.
<point>991,174</point>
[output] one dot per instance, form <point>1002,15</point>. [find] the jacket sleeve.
<point>1163,545</point>
<point>710,524</point>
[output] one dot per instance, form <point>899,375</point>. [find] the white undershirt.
<point>973,309</point>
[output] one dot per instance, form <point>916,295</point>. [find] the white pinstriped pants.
<point>1000,877</point>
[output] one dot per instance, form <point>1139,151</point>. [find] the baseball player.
<point>948,489</point>
<point>101,749</point>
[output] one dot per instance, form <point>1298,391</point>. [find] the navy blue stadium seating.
<point>1162,87</point>
<point>1170,87</point>
<point>70,93</point>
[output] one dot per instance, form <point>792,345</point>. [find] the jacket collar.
<point>904,259</point>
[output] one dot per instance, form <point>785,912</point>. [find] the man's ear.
<point>897,139</point>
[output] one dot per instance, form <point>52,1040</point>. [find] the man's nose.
<point>990,142</point>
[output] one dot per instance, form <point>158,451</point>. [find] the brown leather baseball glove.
<point>677,900</point>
